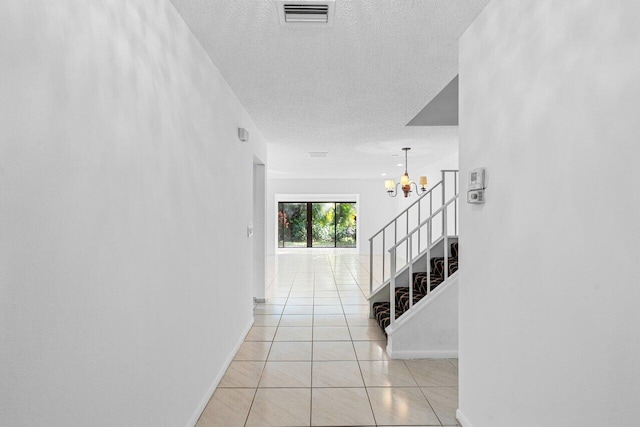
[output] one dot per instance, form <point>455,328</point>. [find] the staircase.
<point>423,284</point>
<point>414,264</point>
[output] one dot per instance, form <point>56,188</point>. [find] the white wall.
<point>549,266</point>
<point>431,331</point>
<point>375,208</point>
<point>122,292</point>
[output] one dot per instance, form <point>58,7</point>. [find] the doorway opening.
<point>258,227</point>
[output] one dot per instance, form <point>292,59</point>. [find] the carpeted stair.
<point>382,310</point>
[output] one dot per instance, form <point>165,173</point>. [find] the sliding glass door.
<point>317,224</point>
<point>292,224</point>
<point>323,225</point>
<point>346,225</point>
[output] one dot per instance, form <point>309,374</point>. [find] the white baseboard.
<point>203,404</point>
<point>419,354</point>
<point>464,422</point>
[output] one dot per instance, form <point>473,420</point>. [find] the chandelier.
<point>405,184</point>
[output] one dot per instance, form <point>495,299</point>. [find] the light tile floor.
<point>314,358</point>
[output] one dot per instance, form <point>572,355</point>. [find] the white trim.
<point>334,197</point>
<point>203,404</point>
<point>464,422</point>
<point>422,354</point>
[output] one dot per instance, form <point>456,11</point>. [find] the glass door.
<point>323,225</point>
<point>346,225</point>
<point>317,224</point>
<point>292,225</point>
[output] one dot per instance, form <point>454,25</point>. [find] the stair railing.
<point>397,229</point>
<point>427,223</point>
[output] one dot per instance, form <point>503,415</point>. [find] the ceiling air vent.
<point>318,153</point>
<point>306,12</point>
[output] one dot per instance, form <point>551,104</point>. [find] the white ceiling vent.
<point>306,12</point>
<point>318,153</point>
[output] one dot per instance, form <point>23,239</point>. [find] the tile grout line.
<point>358,362</point>
<point>313,316</point>
<point>360,369</point>
<point>263,367</point>
<point>311,368</point>
<point>266,359</point>
<point>255,393</point>
<point>422,392</point>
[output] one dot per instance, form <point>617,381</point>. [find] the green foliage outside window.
<point>332,224</point>
<point>346,224</point>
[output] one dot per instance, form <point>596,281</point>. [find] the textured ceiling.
<point>348,89</point>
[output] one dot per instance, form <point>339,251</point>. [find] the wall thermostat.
<point>476,179</point>
<point>475,196</point>
<point>477,185</point>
